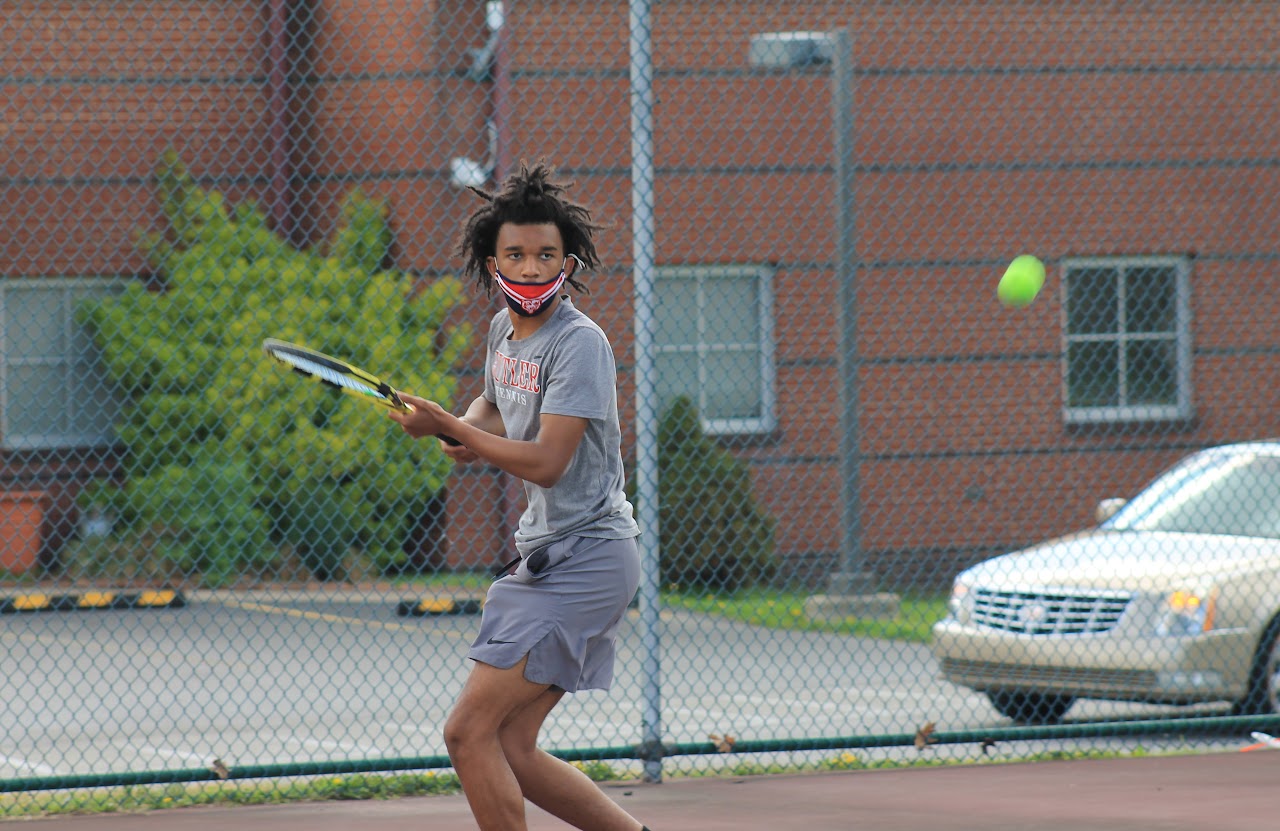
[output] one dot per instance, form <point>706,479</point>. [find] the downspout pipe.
<point>499,126</point>
<point>279,98</point>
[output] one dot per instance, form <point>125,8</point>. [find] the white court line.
<point>324,744</point>
<point>34,767</point>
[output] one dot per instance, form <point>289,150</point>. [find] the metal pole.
<point>278,106</point>
<point>851,579</point>
<point>642,178</point>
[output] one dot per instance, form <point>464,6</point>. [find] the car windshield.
<point>1236,493</point>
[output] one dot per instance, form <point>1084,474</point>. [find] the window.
<point>53,391</point>
<point>714,343</point>
<point>1128,339</point>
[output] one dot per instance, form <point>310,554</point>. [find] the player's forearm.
<point>527,460</point>
<point>482,415</point>
<point>482,430</point>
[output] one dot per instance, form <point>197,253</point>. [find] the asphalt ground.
<point>1220,791</point>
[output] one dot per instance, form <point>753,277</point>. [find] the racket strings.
<point>331,376</point>
<point>335,373</point>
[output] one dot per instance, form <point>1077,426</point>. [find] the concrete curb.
<point>439,606</point>
<point>405,604</point>
<point>95,600</point>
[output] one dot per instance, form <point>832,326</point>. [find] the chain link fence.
<point>827,414</point>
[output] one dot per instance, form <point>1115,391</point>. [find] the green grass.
<point>145,798</point>
<point>785,610</point>
<point>142,798</point>
<point>848,760</point>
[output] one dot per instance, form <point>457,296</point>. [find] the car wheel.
<point>1263,696</point>
<point>1031,707</point>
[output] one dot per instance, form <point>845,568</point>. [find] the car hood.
<point>1130,560</point>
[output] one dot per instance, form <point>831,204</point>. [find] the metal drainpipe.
<point>279,94</point>
<point>501,101</point>
<point>512,491</point>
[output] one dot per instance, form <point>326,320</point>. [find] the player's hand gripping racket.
<point>341,375</point>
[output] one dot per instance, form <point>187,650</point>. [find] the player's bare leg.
<point>489,696</point>
<point>552,784</point>
<point>499,709</point>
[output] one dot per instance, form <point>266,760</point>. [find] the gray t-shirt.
<point>564,368</point>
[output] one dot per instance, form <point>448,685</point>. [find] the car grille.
<point>1049,612</point>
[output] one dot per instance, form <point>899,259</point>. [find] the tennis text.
<point>512,395</point>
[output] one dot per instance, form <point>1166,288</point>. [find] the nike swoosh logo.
<point>491,640</point>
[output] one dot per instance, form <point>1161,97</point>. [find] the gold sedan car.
<point>1174,598</point>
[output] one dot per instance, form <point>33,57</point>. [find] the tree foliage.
<point>324,472</point>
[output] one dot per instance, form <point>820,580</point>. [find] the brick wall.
<point>962,434</point>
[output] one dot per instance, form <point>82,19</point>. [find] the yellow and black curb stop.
<point>91,600</point>
<point>439,606</point>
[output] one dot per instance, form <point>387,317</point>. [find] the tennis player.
<point>549,416</point>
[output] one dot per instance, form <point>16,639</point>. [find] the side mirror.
<point>1107,508</point>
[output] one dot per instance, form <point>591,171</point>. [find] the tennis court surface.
<point>1222,791</point>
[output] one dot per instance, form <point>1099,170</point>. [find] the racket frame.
<point>382,393</point>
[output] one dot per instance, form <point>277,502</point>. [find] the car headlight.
<point>1185,612</point>
<point>961,602</point>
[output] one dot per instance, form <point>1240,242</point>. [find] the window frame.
<point>71,292</point>
<point>765,347</point>
<point>1181,409</point>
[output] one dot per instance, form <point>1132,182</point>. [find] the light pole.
<point>792,50</point>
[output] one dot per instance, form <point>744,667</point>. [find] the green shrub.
<point>713,534</point>
<point>319,525</point>
<point>197,518</point>
<point>327,471</point>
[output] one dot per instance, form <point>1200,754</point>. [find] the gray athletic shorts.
<point>561,607</point>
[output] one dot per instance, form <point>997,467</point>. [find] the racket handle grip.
<point>449,440</point>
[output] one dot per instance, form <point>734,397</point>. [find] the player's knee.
<point>458,733</point>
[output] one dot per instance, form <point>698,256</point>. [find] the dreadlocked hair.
<point>530,196</point>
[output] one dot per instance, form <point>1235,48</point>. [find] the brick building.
<point>1130,146</point>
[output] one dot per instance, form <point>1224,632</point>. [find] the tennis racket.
<point>340,375</point>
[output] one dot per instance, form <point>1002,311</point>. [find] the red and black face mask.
<point>531,299</point>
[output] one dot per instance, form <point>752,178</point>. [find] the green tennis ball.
<point>1021,282</point>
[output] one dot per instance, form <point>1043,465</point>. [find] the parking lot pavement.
<point>1223,791</point>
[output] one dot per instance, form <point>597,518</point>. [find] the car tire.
<point>1031,707</point>
<point>1263,695</point>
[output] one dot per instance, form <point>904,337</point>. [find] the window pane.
<point>49,358</point>
<point>33,323</point>
<point>1093,301</point>
<point>1093,374</point>
<point>731,314</point>
<point>37,396</point>
<point>676,311</point>
<point>82,347</point>
<point>1150,299</point>
<point>95,400</point>
<point>732,385</point>
<point>710,338</point>
<point>677,375</point>
<point>1152,370</point>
